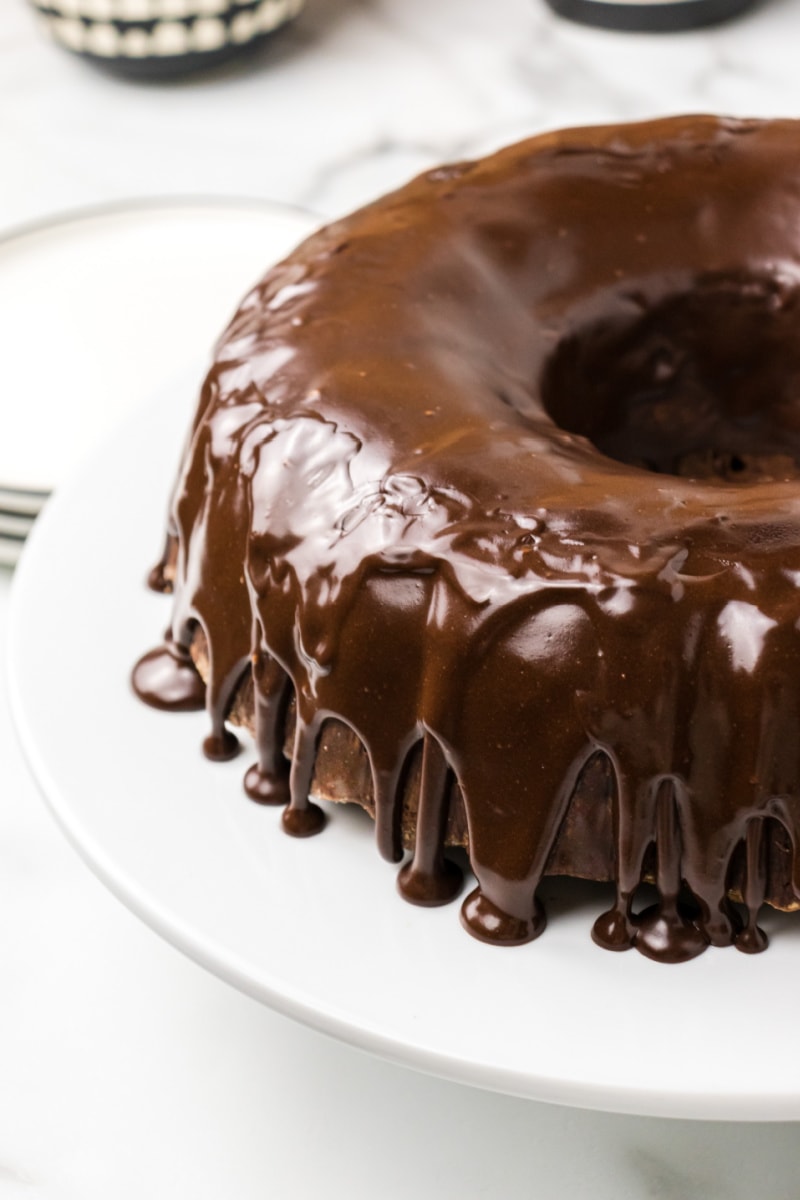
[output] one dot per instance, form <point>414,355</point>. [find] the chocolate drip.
<point>507,463</point>
<point>388,810</point>
<point>161,576</point>
<point>430,878</point>
<point>221,744</point>
<point>615,929</point>
<point>267,781</point>
<point>167,678</point>
<point>488,922</point>
<point>665,931</point>
<point>752,939</point>
<point>301,817</point>
<point>157,580</point>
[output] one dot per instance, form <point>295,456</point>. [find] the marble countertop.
<point>125,1070</point>
<point>359,95</point>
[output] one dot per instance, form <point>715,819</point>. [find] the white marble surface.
<point>125,1071</point>
<point>359,95</point>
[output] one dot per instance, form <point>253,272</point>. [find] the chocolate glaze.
<point>505,466</point>
<point>167,678</point>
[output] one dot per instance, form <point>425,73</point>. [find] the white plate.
<point>316,928</point>
<point>103,306</point>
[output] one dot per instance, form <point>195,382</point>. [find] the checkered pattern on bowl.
<point>137,30</point>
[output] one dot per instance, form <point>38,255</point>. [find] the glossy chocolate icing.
<point>504,466</point>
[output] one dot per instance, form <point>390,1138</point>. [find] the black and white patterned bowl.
<point>162,37</point>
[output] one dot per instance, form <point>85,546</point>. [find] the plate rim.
<point>76,214</point>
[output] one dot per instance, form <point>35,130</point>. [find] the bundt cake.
<point>489,521</point>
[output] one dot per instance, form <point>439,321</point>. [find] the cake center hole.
<point>704,385</point>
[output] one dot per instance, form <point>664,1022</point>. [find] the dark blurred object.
<point>650,16</point>
<point>162,38</point>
